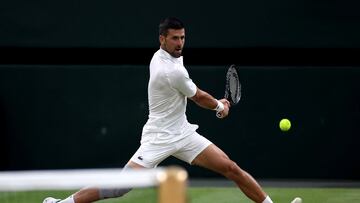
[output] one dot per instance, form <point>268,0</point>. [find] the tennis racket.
<point>232,87</point>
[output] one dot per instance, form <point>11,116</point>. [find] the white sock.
<point>267,200</point>
<point>68,200</point>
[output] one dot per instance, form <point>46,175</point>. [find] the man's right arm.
<point>205,100</point>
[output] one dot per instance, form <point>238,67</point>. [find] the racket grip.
<point>218,114</point>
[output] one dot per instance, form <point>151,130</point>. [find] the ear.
<point>161,39</point>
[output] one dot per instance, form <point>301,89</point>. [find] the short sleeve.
<point>181,81</point>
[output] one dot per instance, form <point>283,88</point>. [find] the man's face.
<point>173,42</point>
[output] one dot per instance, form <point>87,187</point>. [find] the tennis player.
<point>167,131</point>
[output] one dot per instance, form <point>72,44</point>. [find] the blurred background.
<point>74,74</point>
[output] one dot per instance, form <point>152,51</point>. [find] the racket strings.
<point>233,88</point>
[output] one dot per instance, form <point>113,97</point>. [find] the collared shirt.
<point>168,88</point>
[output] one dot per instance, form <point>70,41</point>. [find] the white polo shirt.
<point>168,89</point>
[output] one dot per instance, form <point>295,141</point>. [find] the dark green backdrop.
<point>81,116</point>
<point>229,23</point>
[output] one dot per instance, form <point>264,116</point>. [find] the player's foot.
<point>51,200</point>
<point>297,200</point>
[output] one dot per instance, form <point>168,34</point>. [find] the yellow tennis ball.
<point>285,124</point>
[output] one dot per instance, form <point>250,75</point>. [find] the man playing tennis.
<point>167,131</point>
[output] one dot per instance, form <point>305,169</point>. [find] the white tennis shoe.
<point>51,200</point>
<point>297,200</point>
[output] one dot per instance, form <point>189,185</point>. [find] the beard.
<point>175,52</point>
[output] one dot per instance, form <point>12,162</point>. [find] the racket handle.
<point>218,114</point>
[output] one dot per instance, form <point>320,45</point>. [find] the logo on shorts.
<point>140,158</point>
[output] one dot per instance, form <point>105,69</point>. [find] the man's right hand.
<point>225,112</point>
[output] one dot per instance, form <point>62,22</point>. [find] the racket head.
<point>233,86</point>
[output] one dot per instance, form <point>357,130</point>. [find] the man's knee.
<point>231,169</point>
<point>112,193</point>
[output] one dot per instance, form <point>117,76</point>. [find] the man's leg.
<point>147,156</point>
<point>87,195</point>
<point>92,194</point>
<point>216,160</point>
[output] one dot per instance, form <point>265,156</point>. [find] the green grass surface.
<point>207,195</point>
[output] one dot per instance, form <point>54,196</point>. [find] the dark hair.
<point>170,23</point>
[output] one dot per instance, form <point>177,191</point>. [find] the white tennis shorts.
<point>187,149</point>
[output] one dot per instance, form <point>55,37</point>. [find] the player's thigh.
<point>150,155</point>
<point>132,165</point>
<point>213,158</point>
<point>190,147</point>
